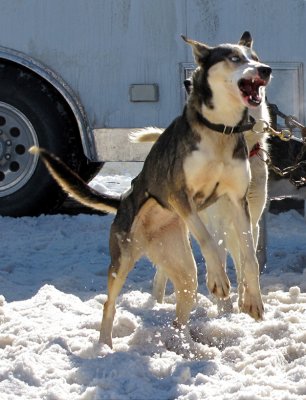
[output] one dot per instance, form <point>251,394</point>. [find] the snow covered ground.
<point>53,273</point>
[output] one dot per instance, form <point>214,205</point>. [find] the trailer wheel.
<point>32,113</point>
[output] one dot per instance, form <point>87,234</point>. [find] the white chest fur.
<point>212,169</point>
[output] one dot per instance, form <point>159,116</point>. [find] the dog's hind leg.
<point>122,261</point>
<point>116,277</point>
<point>257,197</point>
<point>176,260</point>
<point>159,285</point>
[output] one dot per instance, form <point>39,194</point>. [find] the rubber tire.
<point>55,129</point>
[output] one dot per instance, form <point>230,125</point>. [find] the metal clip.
<point>285,135</point>
<point>261,126</point>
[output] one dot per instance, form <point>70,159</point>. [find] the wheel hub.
<point>17,135</point>
<point>2,149</point>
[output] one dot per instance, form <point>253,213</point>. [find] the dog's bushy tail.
<point>149,134</point>
<point>72,184</point>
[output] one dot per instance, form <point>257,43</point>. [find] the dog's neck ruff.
<point>227,130</point>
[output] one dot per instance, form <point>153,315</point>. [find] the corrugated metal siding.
<point>100,47</point>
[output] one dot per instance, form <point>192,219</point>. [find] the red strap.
<point>255,150</point>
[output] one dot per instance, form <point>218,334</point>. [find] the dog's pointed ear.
<point>200,50</point>
<point>246,40</point>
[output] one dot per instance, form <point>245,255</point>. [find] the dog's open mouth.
<point>250,90</point>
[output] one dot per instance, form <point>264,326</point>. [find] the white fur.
<point>148,134</point>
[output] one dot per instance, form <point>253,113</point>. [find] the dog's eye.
<point>235,59</point>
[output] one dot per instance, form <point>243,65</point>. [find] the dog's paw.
<point>218,284</point>
<point>252,304</point>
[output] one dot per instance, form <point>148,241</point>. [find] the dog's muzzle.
<point>250,88</point>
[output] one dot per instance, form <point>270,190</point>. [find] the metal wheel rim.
<point>17,135</point>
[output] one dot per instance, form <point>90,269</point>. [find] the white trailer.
<point>77,75</point>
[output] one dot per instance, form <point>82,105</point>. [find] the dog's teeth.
<point>253,80</point>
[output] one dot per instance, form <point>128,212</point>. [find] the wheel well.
<point>51,91</point>
<point>61,92</point>
<point>34,112</point>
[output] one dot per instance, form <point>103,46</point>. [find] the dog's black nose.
<point>264,72</point>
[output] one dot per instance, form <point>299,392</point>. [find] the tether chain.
<point>284,135</point>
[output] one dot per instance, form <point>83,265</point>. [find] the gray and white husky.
<point>218,217</point>
<point>200,159</point>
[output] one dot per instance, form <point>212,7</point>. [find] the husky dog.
<point>218,217</point>
<point>201,157</point>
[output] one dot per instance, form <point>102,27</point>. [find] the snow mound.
<point>53,276</point>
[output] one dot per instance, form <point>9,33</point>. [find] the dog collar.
<point>254,151</point>
<point>226,130</point>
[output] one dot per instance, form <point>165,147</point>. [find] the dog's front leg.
<point>252,302</point>
<point>216,219</point>
<point>216,279</point>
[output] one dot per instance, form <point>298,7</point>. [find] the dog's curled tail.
<point>72,184</point>
<point>148,134</point>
